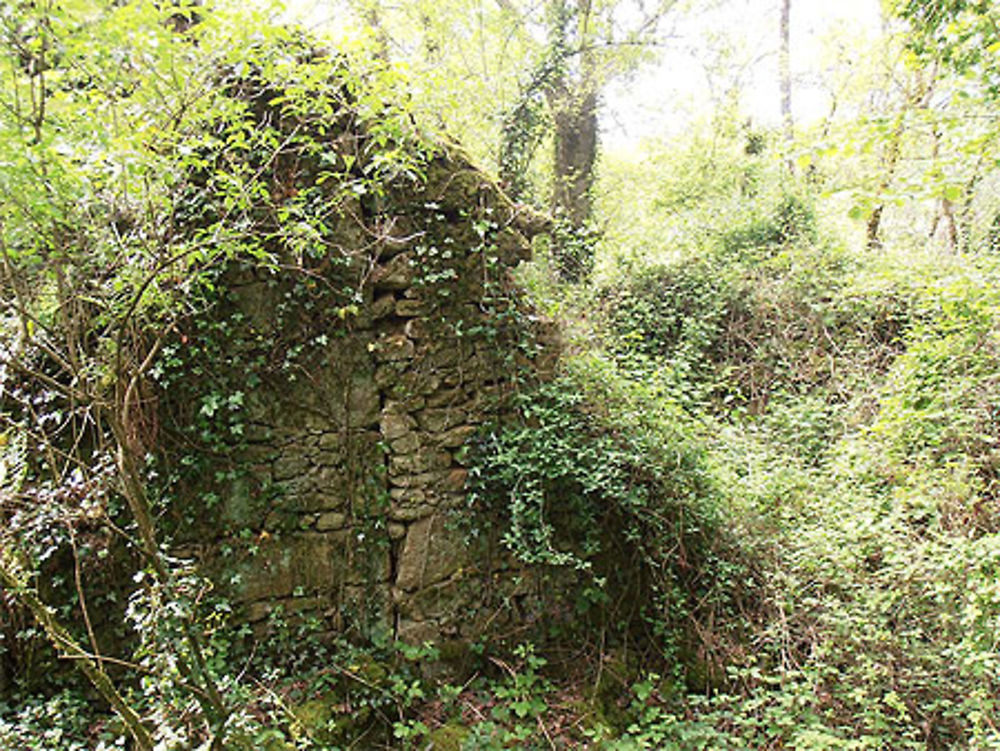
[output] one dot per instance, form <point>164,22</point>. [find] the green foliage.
<point>604,475</point>
<point>64,721</point>
<point>766,324</point>
<point>940,398</point>
<point>876,581</point>
<point>853,444</point>
<point>775,470</point>
<point>792,220</point>
<point>962,33</point>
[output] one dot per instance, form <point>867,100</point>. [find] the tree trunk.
<point>574,115</point>
<point>917,98</point>
<point>785,74</point>
<point>966,214</point>
<point>522,129</point>
<point>946,208</point>
<point>575,156</point>
<point>572,100</point>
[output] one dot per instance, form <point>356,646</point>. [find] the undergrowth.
<point>854,445</point>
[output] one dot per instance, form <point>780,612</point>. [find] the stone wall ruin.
<point>345,495</point>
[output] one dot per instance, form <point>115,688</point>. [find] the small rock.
<point>393,348</point>
<point>331,520</point>
<point>396,425</point>
<point>440,420</point>
<point>406,444</point>
<point>416,328</point>
<point>455,437</point>
<point>405,495</point>
<point>455,480</point>
<point>289,466</point>
<point>446,397</point>
<point>407,308</point>
<point>420,462</point>
<point>396,274</point>
<point>383,306</point>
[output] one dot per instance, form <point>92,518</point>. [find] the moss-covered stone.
<point>448,737</point>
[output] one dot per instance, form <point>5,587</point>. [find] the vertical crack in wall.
<point>394,544</point>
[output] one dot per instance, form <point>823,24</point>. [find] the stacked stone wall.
<point>364,442</point>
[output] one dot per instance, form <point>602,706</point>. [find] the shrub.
<point>603,475</point>
<point>791,220</point>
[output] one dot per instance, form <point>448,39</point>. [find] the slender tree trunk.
<point>873,237</point>
<point>946,207</point>
<point>574,115</point>
<point>785,74</point>
<point>918,98</point>
<point>572,100</point>
<point>966,215</point>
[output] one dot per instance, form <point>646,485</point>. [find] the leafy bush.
<point>63,721</point>
<point>746,333</point>
<point>603,475</point>
<point>941,399</point>
<point>791,220</point>
<point>879,564</point>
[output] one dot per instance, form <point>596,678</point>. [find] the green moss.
<point>457,655</point>
<point>314,718</point>
<point>448,737</point>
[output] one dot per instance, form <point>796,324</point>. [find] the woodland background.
<point>786,334</point>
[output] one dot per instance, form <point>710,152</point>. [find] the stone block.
<point>416,328</point>
<point>331,520</point>
<point>290,466</point>
<point>331,446</point>
<point>422,480</point>
<point>420,462</point>
<point>455,480</point>
<point>430,554</point>
<point>417,382</point>
<point>440,602</point>
<point>446,397</point>
<point>409,513</point>
<point>417,632</point>
<point>394,348</point>
<point>303,562</point>
<point>407,443</point>
<point>388,374</point>
<point>457,436</point>
<point>384,305</point>
<point>411,308</point>
<point>318,489</point>
<point>442,357</point>
<point>362,401</point>
<point>394,275</point>
<point>409,504</point>
<point>395,425</point>
<point>438,420</point>
<point>405,495</point>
